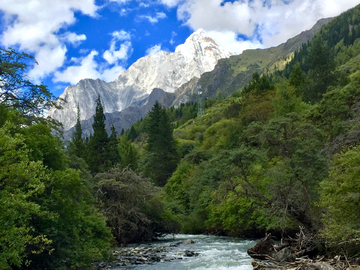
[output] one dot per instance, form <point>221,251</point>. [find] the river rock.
<point>125,257</point>
<point>189,253</point>
<point>187,242</point>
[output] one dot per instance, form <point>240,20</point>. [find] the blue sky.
<point>76,39</point>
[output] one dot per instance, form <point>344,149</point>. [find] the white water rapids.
<point>215,252</point>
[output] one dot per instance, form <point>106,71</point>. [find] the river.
<point>215,252</point>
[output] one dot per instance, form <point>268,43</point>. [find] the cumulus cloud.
<point>72,38</point>
<point>36,33</point>
<point>171,3</point>
<point>263,22</point>
<point>153,19</point>
<point>86,69</point>
<point>89,67</point>
<point>153,50</point>
<point>112,55</point>
<point>230,41</point>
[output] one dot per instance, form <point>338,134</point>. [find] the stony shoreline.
<point>149,254</point>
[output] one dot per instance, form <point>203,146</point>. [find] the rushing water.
<point>214,253</point>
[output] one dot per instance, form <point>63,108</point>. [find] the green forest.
<point>281,153</point>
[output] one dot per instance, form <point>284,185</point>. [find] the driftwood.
<point>263,249</point>
<point>297,254</point>
<point>304,263</point>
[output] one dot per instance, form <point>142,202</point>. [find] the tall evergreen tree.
<point>128,154</point>
<point>162,157</point>
<point>113,153</point>
<point>321,63</point>
<point>77,146</point>
<point>98,144</point>
<point>132,134</point>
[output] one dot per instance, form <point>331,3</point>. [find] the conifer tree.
<point>113,153</point>
<point>320,64</point>
<point>98,143</point>
<point>132,134</point>
<point>77,146</point>
<point>128,154</point>
<point>161,157</point>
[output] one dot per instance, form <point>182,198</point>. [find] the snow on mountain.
<point>163,70</point>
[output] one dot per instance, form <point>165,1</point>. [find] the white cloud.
<point>89,67</point>
<point>86,69</point>
<point>153,50</point>
<point>73,38</point>
<point>159,15</point>
<point>173,35</point>
<point>48,59</point>
<point>112,55</point>
<point>171,3</point>
<point>110,74</point>
<point>121,35</point>
<point>230,41</point>
<point>33,25</point>
<point>268,22</point>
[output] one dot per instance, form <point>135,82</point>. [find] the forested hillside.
<point>280,152</point>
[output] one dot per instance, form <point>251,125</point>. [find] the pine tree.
<point>161,157</point>
<point>98,143</point>
<point>132,134</point>
<point>113,153</point>
<point>320,64</point>
<point>128,153</point>
<point>77,147</point>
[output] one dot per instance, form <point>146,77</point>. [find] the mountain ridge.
<point>163,70</point>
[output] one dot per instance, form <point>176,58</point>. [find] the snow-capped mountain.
<point>163,70</point>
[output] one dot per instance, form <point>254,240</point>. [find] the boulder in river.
<point>188,241</point>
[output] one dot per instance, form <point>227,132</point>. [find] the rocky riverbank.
<point>296,255</point>
<point>149,254</point>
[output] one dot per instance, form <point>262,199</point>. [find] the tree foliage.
<point>47,211</point>
<point>17,91</point>
<point>129,202</point>
<point>161,154</point>
<point>340,195</point>
<point>77,145</point>
<point>98,143</point>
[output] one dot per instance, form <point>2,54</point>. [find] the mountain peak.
<point>162,70</point>
<point>200,43</point>
<point>200,32</point>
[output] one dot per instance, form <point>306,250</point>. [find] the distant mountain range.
<point>197,67</point>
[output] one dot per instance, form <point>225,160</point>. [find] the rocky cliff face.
<point>163,70</point>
